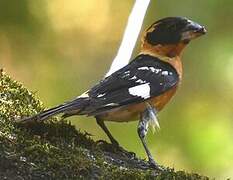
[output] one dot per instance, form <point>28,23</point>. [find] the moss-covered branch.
<point>56,150</point>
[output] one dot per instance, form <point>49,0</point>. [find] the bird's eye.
<point>173,27</point>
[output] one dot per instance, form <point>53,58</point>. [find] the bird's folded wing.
<point>143,78</point>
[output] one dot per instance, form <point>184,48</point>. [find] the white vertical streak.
<point>132,30</point>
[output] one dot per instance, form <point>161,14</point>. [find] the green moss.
<point>56,150</point>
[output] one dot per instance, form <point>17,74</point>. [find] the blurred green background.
<point>59,49</point>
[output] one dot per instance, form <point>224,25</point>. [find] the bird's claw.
<point>154,165</point>
<point>125,152</point>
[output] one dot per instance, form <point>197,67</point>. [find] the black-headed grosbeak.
<point>140,89</point>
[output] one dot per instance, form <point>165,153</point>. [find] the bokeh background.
<point>59,49</point>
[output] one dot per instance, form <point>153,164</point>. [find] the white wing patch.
<point>101,95</point>
<point>84,95</point>
<point>165,73</point>
<point>143,68</point>
<point>142,90</point>
<point>133,78</point>
<point>152,69</point>
<point>140,81</point>
<point>111,104</point>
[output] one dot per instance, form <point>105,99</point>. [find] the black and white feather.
<point>145,77</point>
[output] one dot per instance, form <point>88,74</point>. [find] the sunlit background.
<point>59,49</point>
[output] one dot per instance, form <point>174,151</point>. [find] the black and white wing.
<point>143,78</point>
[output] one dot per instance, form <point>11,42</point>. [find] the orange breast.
<point>132,112</point>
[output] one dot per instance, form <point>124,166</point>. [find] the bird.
<point>139,90</point>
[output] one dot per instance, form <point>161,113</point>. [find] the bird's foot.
<point>123,151</point>
<point>115,143</point>
<point>116,148</point>
<point>154,165</point>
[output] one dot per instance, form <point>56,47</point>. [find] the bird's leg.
<point>100,122</point>
<point>113,140</point>
<point>142,131</point>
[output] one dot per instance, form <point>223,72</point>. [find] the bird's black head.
<point>173,30</point>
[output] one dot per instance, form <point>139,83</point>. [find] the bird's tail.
<point>76,105</point>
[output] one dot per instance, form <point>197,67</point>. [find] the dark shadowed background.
<point>59,49</point>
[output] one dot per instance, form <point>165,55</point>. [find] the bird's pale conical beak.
<point>192,31</point>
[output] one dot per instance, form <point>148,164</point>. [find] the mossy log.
<point>56,150</point>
